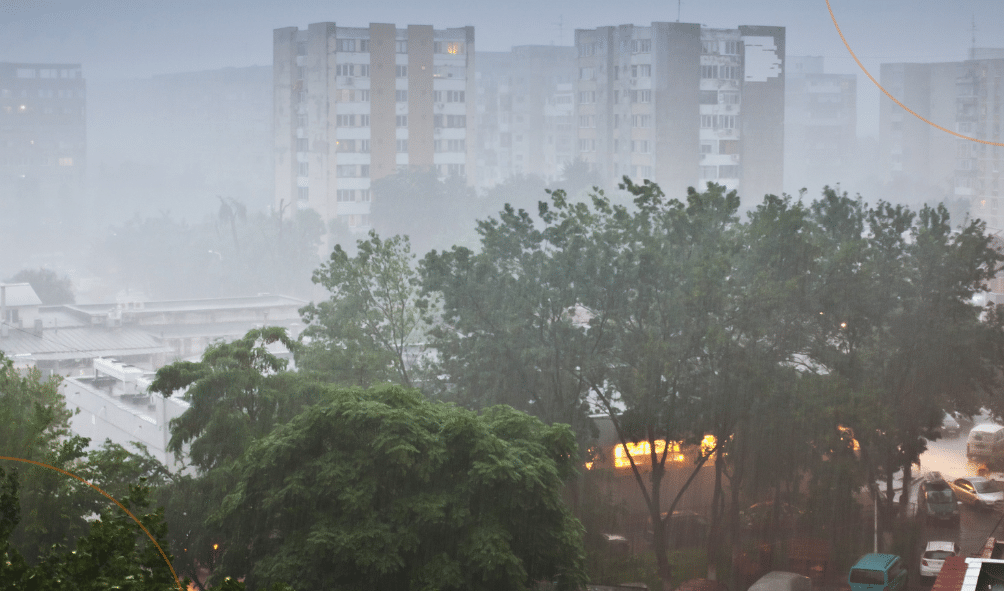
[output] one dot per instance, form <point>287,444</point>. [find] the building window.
<point>346,45</point>
<point>640,146</point>
<point>587,97</point>
<point>453,96</point>
<point>585,73</point>
<point>708,147</point>
<point>730,171</point>
<point>641,121</point>
<point>641,96</point>
<point>401,96</point>
<point>346,195</point>
<point>641,46</point>
<point>301,120</point>
<point>401,121</point>
<point>733,47</point>
<point>402,71</point>
<point>301,48</point>
<point>586,50</point>
<point>730,98</point>
<point>302,193</point>
<point>67,161</point>
<point>587,121</point>
<point>709,173</point>
<point>709,47</point>
<point>301,144</point>
<point>708,97</point>
<point>641,71</point>
<point>303,171</point>
<point>345,120</point>
<point>449,121</point>
<point>345,69</point>
<point>364,195</point>
<point>587,145</point>
<point>402,46</point>
<point>448,47</point>
<point>402,146</point>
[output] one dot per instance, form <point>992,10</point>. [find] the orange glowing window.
<point>454,48</point>
<point>708,444</point>
<point>641,452</point>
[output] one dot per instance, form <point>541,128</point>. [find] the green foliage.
<point>238,392</point>
<point>383,489</point>
<point>114,554</point>
<point>362,333</point>
<point>49,287</point>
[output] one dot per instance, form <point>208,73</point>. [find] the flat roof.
<point>987,428</point>
<point>80,343</point>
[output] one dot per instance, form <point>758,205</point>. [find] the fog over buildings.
<point>139,117</point>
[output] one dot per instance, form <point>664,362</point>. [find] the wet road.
<point>948,456</point>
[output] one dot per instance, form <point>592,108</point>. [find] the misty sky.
<point>138,38</point>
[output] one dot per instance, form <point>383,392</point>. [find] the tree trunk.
<point>714,535</point>
<point>659,530</point>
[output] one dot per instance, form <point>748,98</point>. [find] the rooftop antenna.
<point>678,10</point>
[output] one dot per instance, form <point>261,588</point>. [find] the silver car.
<point>979,492</point>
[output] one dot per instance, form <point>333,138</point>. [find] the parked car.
<point>936,502</point>
<point>950,428</point>
<point>978,492</point>
<point>777,580</point>
<point>986,443</point>
<point>934,557</point>
<point>878,572</point>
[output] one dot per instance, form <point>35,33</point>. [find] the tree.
<point>49,287</point>
<point>384,489</point>
<point>363,333</point>
<point>114,554</point>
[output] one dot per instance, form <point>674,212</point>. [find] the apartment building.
<point>355,104</point>
<point>682,104</point>
<point>820,125</point>
<point>43,139</point>
<point>916,160</point>
<point>525,111</point>
<point>978,165</point>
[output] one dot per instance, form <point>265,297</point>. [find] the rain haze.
<point>324,188</point>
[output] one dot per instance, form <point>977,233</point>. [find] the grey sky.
<point>130,38</point>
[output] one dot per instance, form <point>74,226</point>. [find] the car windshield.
<point>937,554</point>
<point>984,486</point>
<point>979,436</point>
<point>939,496</point>
<point>867,576</point>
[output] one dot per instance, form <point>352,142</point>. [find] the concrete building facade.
<point>820,124</point>
<point>682,105</point>
<point>977,174</point>
<point>355,104</point>
<point>525,111</point>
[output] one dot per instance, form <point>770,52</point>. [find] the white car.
<point>979,492</point>
<point>934,557</point>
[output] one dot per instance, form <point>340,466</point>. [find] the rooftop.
<point>20,294</point>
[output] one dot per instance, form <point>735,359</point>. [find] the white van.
<point>986,443</point>
<point>782,581</point>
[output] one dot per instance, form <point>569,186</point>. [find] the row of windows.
<point>731,47</point>
<point>353,146</point>
<point>352,170</point>
<point>450,121</point>
<point>24,110</point>
<point>353,195</point>
<point>358,70</point>
<point>38,161</point>
<point>718,121</point>
<point>344,95</point>
<point>48,73</point>
<point>713,97</point>
<point>448,96</point>
<point>44,93</point>
<point>720,72</point>
<point>637,71</point>
<point>725,171</point>
<point>720,147</point>
<point>449,146</point>
<point>352,120</point>
<point>363,46</point>
<point>632,45</point>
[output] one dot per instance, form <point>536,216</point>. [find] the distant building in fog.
<point>682,105</point>
<point>978,166</point>
<point>820,124</point>
<point>917,160</point>
<point>354,104</point>
<point>43,135</point>
<point>965,97</point>
<point>525,112</point>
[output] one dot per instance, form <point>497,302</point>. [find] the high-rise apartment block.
<point>525,111</point>
<point>820,125</point>
<point>682,105</point>
<point>978,165</point>
<point>355,104</point>
<point>929,164</point>
<point>43,133</point>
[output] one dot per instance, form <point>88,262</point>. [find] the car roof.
<point>987,428</point>
<point>780,575</point>
<point>876,561</point>
<point>943,546</point>
<point>936,484</point>
<point>975,479</point>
